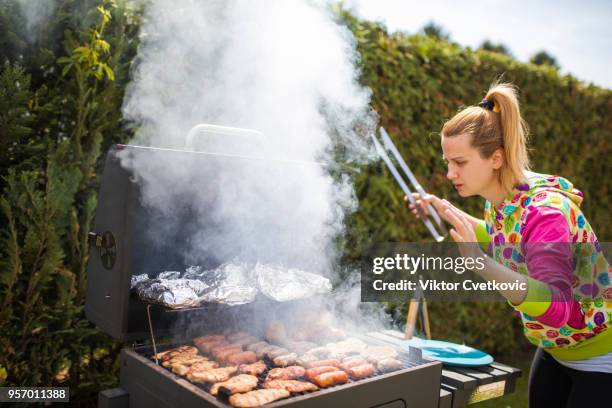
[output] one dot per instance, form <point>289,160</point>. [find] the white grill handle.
<point>208,131</point>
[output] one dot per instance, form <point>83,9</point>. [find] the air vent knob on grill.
<point>107,247</point>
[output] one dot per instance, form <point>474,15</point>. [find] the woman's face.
<point>469,173</point>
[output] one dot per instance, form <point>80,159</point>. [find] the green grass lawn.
<point>518,399</point>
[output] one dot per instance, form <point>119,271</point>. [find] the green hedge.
<point>419,82</point>
<point>60,108</point>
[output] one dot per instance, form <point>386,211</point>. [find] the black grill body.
<point>122,246</point>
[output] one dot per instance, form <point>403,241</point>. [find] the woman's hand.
<point>463,232</point>
<point>423,202</point>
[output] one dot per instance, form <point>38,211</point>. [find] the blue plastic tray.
<point>450,353</point>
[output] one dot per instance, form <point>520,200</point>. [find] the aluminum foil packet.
<point>136,279</point>
<point>172,293</point>
<point>229,284</point>
<point>169,275</point>
<point>282,284</point>
<point>232,283</point>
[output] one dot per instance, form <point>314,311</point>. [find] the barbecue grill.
<point>123,244</point>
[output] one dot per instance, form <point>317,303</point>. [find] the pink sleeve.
<point>552,264</point>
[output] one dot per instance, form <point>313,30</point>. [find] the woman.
<point>566,309</point>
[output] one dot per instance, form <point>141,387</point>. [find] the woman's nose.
<point>451,174</point>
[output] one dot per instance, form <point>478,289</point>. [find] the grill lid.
<point>130,237</point>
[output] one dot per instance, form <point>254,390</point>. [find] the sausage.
<point>277,353</point>
<point>331,378</point>
<point>256,346</point>
<point>305,359</point>
<point>222,347</point>
<point>318,363</point>
<point>224,354</point>
<point>208,346</point>
<point>352,363</point>
<point>311,373</point>
<point>246,357</point>
<point>361,371</point>
<point>389,364</point>
<point>285,360</point>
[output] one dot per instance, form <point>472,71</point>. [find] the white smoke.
<point>36,14</point>
<point>282,67</point>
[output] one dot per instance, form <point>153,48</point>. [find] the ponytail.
<point>496,123</point>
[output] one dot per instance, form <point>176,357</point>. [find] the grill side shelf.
<point>467,385</point>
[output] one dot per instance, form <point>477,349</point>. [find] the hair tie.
<point>487,104</point>
<point>490,105</point>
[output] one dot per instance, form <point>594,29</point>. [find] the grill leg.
<point>114,398</point>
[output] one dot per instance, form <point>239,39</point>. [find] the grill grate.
<point>223,395</point>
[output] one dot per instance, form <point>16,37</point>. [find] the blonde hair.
<point>496,123</point>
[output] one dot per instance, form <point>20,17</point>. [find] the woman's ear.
<point>498,159</point>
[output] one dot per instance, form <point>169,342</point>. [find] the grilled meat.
<point>331,378</point>
<point>318,363</point>
<point>378,353</point>
<point>352,363</point>
<point>319,352</point>
<point>211,375</point>
<point>292,386</point>
<point>185,359</point>
<point>262,352</point>
<point>236,336</point>
<point>305,359</point>
<point>350,345</point>
<point>285,360</point>
<point>353,358</point>
<point>222,355</point>
<point>239,383</point>
<point>180,369</point>
<point>183,369</point>
<point>252,369</point>
<point>256,346</point>
<point>277,352</point>
<point>245,357</point>
<point>287,373</point>
<point>311,373</point>
<point>257,398</point>
<point>361,371</point>
<point>204,365</point>
<point>388,364</point>
<point>168,354</point>
<point>248,340</point>
<point>206,347</point>
<point>299,347</point>
<point>205,343</point>
<point>222,347</point>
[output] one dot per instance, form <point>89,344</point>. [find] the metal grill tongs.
<point>388,144</point>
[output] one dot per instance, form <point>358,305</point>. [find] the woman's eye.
<point>460,164</point>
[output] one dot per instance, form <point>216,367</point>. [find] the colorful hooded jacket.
<point>585,333</point>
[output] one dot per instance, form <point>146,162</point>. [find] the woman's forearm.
<point>499,273</point>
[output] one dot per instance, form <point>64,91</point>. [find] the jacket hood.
<point>536,184</point>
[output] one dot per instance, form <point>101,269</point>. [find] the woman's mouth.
<point>458,186</point>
